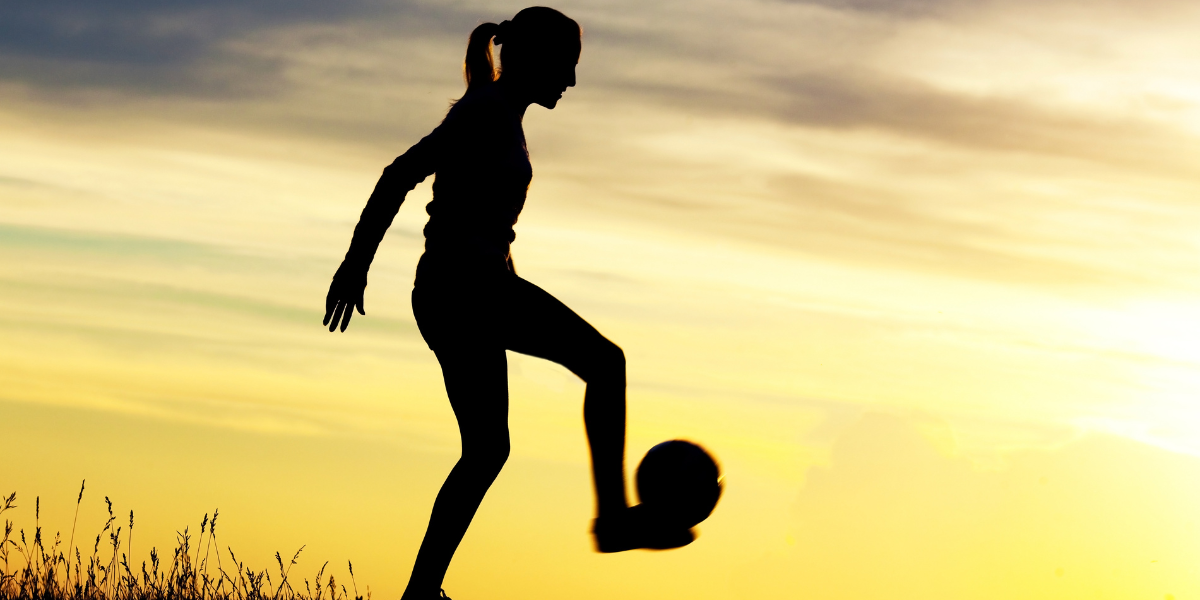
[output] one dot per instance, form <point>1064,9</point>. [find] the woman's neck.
<point>512,94</point>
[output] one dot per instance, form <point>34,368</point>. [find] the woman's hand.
<point>345,295</point>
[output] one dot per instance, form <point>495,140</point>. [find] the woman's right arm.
<point>399,178</point>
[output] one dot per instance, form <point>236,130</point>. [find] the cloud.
<point>903,8</point>
<point>33,239</point>
<point>149,46</point>
<point>795,63</point>
<point>972,182</point>
<point>798,64</point>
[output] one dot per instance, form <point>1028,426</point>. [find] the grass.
<point>51,571</point>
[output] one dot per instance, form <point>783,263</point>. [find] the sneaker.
<point>637,528</point>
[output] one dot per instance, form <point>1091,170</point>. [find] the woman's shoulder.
<point>479,101</point>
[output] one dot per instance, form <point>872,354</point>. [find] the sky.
<point>920,274</point>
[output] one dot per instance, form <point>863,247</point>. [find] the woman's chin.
<point>550,102</point>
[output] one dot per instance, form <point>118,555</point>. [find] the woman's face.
<point>549,74</point>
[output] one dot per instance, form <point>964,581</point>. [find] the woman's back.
<point>482,175</point>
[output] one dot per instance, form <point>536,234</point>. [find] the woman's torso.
<point>479,188</point>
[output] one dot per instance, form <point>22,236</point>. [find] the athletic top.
<point>482,164</point>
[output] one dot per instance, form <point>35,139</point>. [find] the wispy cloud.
<point>172,49</point>
<point>787,213</point>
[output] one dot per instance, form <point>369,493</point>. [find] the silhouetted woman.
<point>468,301</point>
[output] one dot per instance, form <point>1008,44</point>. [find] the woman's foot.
<point>637,527</point>
<point>439,595</point>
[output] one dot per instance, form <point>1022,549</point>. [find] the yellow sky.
<point>921,274</point>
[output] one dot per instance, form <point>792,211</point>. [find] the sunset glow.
<point>922,275</point>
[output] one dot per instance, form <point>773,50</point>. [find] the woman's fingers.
<point>338,309</point>
<point>331,300</point>
<point>347,313</point>
<point>361,310</point>
<point>329,304</point>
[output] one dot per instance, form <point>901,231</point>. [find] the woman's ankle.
<point>421,592</point>
<point>611,510</point>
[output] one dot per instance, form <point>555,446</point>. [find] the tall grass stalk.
<point>71,544</point>
<point>47,572</point>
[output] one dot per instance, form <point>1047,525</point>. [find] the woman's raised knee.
<point>606,364</point>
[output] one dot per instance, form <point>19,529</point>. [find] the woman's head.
<point>539,50</point>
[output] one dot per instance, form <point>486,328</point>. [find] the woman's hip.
<point>505,312</point>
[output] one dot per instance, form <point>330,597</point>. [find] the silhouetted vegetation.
<point>35,567</point>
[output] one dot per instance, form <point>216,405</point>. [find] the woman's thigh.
<point>538,324</point>
<point>455,323</point>
<point>476,380</point>
<point>473,318</point>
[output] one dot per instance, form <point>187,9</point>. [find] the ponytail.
<point>478,67</point>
